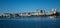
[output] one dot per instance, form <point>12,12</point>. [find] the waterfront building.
<point>37,13</point>
<point>54,10</point>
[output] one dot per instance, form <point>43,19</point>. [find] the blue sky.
<point>18,6</point>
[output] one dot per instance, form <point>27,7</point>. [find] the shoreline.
<point>39,13</point>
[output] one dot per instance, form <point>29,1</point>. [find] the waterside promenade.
<point>38,13</point>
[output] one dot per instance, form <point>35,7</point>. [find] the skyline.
<point>17,6</point>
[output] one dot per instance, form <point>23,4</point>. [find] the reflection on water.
<point>30,22</point>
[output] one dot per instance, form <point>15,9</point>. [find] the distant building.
<point>54,10</point>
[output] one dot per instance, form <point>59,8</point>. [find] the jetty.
<point>38,13</point>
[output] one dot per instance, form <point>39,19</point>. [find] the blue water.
<point>30,22</point>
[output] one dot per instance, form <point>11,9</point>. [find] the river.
<point>33,22</point>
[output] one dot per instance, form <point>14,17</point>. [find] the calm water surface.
<point>30,22</point>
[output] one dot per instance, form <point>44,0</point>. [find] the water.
<point>30,22</point>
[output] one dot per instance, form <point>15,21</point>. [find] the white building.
<point>54,10</point>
